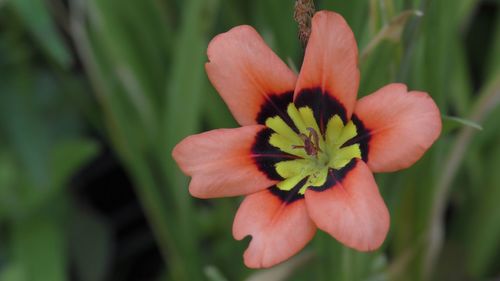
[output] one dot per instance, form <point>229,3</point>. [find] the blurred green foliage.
<point>133,71</point>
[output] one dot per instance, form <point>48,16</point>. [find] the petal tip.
<point>433,110</point>
<point>178,153</point>
<point>238,233</point>
<point>413,116</point>
<point>197,192</point>
<point>372,245</point>
<point>257,256</point>
<point>252,260</point>
<point>237,31</point>
<point>323,14</point>
<point>401,86</point>
<point>331,60</point>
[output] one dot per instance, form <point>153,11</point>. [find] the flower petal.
<point>279,229</point>
<point>351,210</point>
<point>330,64</point>
<point>221,162</point>
<point>247,73</point>
<point>400,126</point>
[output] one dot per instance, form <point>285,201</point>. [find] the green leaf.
<point>186,84</point>
<point>188,79</point>
<point>391,31</point>
<point>13,272</point>
<point>493,61</point>
<point>355,12</point>
<point>214,274</point>
<point>24,128</point>
<point>183,111</point>
<point>217,112</point>
<point>275,22</point>
<point>39,247</point>
<point>68,156</point>
<point>481,223</point>
<point>462,121</point>
<point>133,56</point>
<point>9,179</point>
<point>38,20</point>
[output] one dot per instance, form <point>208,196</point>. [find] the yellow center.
<point>331,152</point>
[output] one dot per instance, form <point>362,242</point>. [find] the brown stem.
<point>304,11</point>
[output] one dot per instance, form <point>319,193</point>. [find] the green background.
<point>81,80</point>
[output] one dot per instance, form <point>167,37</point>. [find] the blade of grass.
<point>128,60</point>
<point>391,31</point>
<point>463,121</point>
<point>35,15</point>
<point>39,245</point>
<point>183,110</point>
<point>482,228</point>
<point>275,21</point>
<point>126,145</point>
<point>489,99</point>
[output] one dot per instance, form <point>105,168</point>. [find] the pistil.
<point>311,142</point>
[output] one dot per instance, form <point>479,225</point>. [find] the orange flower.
<point>306,150</point>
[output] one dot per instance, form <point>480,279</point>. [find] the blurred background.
<point>94,94</point>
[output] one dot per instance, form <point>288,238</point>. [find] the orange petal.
<point>279,230</point>
<point>221,162</point>
<point>401,126</point>
<point>352,210</point>
<point>246,73</point>
<point>330,61</point>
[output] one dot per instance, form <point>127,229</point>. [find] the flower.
<point>306,150</point>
